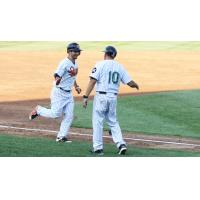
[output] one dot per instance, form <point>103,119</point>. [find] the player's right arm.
<point>89,89</point>
<point>57,78</point>
<point>94,76</point>
<point>59,72</point>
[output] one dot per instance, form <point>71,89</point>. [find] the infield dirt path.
<point>29,75</point>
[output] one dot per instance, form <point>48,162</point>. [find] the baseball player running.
<point>62,102</point>
<point>107,76</point>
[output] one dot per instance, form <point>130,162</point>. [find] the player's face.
<point>74,54</point>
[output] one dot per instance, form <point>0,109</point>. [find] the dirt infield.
<point>27,77</point>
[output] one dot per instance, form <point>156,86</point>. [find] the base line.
<point>81,134</point>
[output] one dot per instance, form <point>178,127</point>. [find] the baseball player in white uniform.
<point>107,76</point>
<point>62,102</point>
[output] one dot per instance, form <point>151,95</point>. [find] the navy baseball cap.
<point>73,47</point>
<point>111,51</point>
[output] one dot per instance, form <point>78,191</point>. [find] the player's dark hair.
<point>73,47</point>
<point>110,51</point>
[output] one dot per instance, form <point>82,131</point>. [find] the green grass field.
<point>98,46</point>
<point>22,146</point>
<point>165,113</point>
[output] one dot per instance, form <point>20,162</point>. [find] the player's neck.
<point>71,59</point>
<point>108,58</point>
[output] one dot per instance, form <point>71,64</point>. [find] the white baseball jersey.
<point>67,81</point>
<point>109,74</point>
<point>62,102</point>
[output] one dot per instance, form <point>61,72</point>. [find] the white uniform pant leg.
<point>48,113</point>
<point>57,104</point>
<point>111,118</point>
<point>67,118</point>
<point>99,106</point>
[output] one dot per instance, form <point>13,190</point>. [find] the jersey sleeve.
<point>125,77</point>
<point>95,72</point>
<point>61,69</point>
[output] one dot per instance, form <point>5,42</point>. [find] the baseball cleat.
<point>98,152</point>
<point>33,114</point>
<point>122,149</point>
<point>63,140</point>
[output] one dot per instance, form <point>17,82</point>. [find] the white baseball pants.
<point>62,105</point>
<point>104,108</point>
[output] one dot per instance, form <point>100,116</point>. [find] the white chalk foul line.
<point>81,134</point>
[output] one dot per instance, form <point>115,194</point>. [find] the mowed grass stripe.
<point>23,146</point>
<point>98,46</point>
<point>166,113</point>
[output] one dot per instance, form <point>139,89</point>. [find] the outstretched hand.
<point>136,86</point>
<point>78,89</point>
<point>85,101</point>
<point>133,85</point>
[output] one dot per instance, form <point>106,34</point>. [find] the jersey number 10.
<point>114,77</point>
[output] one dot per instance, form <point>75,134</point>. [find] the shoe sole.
<point>31,116</point>
<point>122,151</point>
<point>96,154</point>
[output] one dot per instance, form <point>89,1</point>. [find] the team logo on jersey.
<point>72,71</point>
<point>94,70</point>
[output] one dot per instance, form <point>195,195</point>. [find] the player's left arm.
<point>77,88</point>
<point>133,84</point>
<point>74,72</point>
<point>126,79</point>
<point>89,89</point>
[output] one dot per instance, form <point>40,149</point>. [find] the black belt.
<point>100,92</point>
<point>64,90</point>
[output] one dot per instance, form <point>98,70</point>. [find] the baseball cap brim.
<point>75,49</point>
